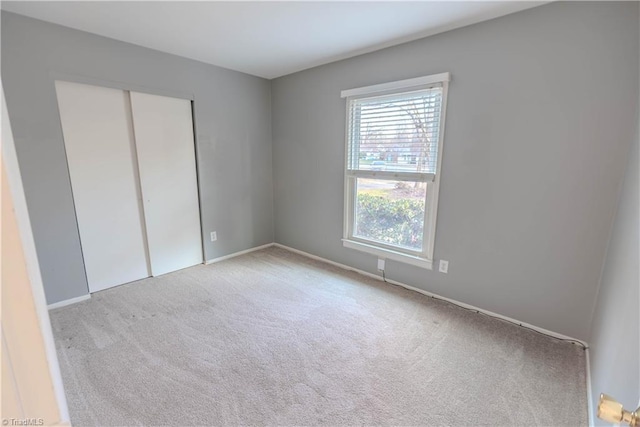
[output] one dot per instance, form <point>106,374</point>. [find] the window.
<point>393,156</point>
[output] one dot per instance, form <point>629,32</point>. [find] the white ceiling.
<point>266,39</point>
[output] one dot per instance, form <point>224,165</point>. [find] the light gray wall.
<point>615,355</point>
<point>540,115</point>
<point>233,124</point>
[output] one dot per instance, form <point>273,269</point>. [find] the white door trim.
<point>10,163</point>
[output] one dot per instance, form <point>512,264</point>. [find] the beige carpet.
<point>273,338</point>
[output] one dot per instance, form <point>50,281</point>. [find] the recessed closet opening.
<point>132,166</point>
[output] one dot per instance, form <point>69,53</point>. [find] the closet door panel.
<point>98,138</point>
<point>163,129</point>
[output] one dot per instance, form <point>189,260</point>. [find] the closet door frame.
<point>133,87</point>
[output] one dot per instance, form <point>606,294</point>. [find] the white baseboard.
<point>235,254</point>
<point>430,294</point>
<point>589,391</point>
<point>68,301</point>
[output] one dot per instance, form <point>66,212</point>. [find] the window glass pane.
<point>398,133</point>
<point>390,212</point>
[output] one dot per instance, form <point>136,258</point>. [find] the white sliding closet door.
<point>98,137</point>
<point>163,130</point>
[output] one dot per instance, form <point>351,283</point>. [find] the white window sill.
<point>389,254</point>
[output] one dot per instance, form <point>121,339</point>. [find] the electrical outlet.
<point>444,266</point>
<point>380,263</point>
<point>214,236</point>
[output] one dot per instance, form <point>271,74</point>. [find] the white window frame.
<point>422,259</point>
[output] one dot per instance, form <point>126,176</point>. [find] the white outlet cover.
<point>214,236</point>
<point>380,263</point>
<point>444,266</point>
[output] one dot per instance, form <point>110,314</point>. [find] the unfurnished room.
<point>320,213</point>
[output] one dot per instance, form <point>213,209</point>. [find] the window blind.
<point>395,136</point>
